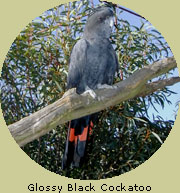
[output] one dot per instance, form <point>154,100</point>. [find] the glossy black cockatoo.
<point>93,63</point>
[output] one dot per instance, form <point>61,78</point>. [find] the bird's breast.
<point>98,64</point>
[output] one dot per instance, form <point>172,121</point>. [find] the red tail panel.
<point>72,135</point>
<point>83,136</point>
<point>76,144</point>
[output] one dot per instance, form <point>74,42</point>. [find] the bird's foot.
<point>103,86</point>
<point>90,92</point>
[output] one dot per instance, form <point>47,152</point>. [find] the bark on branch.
<point>72,105</point>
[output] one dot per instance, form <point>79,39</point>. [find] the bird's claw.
<point>90,92</point>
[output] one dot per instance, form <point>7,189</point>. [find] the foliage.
<point>34,76</point>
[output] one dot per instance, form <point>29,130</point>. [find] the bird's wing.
<point>112,66</point>
<point>77,65</point>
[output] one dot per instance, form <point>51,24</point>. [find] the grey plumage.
<point>93,62</point>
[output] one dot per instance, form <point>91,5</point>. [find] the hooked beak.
<point>111,21</point>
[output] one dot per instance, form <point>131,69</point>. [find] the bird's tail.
<point>79,132</point>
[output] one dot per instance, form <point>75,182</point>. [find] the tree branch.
<point>149,88</point>
<point>72,105</point>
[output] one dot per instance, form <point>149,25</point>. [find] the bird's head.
<point>100,23</point>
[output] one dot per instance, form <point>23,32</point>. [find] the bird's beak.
<point>111,21</point>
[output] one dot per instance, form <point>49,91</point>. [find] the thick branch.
<point>72,105</point>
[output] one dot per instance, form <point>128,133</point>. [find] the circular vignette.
<point>34,76</point>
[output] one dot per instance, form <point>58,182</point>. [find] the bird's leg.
<point>90,92</point>
<point>102,86</point>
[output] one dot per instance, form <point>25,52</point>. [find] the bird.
<point>93,64</point>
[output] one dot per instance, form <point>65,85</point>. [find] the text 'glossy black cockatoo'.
<point>93,63</point>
